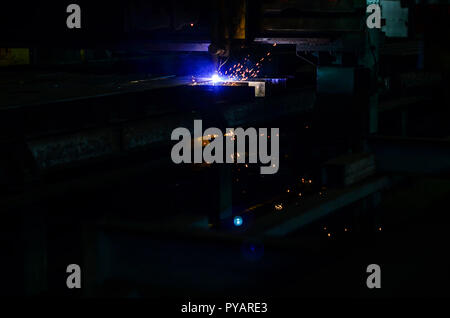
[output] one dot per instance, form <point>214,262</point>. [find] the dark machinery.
<point>86,117</point>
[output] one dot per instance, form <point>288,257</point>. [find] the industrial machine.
<point>86,116</point>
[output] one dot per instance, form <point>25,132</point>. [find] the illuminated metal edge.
<point>305,44</point>
<point>180,47</point>
<point>292,40</point>
<point>259,84</point>
<point>348,42</point>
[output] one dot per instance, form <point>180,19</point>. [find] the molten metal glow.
<point>216,78</point>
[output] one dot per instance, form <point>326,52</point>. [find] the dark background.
<point>86,175</point>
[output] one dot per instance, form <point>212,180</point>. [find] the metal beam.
<point>324,209</point>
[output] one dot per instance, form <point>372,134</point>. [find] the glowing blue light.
<point>215,78</point>
<point>238,221</point>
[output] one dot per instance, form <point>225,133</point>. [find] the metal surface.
<point>262,86</point>
<point>294,40</point>
<point>62,131</point>
<point>39,88</point>
<point>351,42</point>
